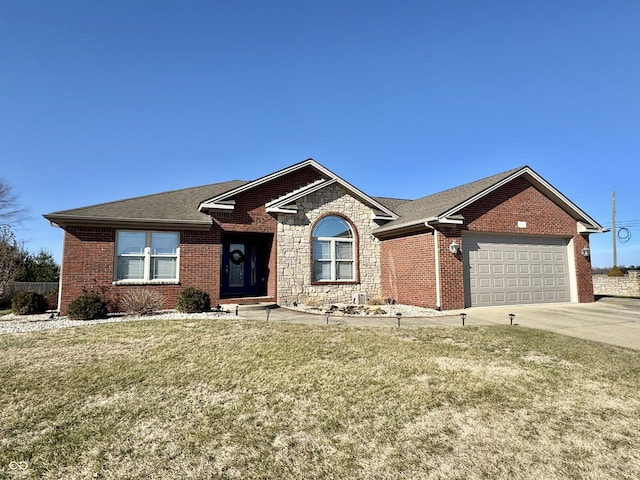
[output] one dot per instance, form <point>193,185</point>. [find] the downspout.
<point>437,258</point>
<point>61,266</point>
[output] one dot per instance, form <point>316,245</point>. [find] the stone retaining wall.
<point>627,286</point>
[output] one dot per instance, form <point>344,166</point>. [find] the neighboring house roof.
<point>176,207</point>
<point>444,207</point>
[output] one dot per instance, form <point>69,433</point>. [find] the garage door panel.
<point>518,269</point>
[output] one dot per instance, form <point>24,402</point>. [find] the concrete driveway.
<point>615,321</point>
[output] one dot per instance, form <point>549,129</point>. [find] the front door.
<point>241,272</point>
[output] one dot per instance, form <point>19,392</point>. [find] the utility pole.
<point>613,230</point>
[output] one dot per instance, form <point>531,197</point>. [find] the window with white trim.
<point>147,256</point>
<point>333,250</point>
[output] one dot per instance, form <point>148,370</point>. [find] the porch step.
<point>249,307</point>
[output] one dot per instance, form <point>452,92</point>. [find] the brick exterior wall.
<point>498,212</point>
<point>89,258</point>
<point>407,270</point>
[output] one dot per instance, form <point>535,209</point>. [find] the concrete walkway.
<point>615,321</point>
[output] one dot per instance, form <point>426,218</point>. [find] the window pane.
<point>332,226</point>
<point>344,251</point>
<point>164,243</point>
<point>130,268</point>
<point>321,271</point>
<point>345,270</point>
<point>163,268</point>
<point>131,242</point>
<point>321,250</point>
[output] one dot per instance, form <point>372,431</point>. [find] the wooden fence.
<point>40,287</point>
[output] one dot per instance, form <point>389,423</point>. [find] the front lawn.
<point>257,400</point>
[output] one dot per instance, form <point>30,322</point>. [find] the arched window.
<point>333,250</point>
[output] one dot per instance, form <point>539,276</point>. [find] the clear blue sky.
<point>107,100</point>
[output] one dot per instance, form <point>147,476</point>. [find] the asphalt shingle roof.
<point>179,206</point>
<point>441,202</point>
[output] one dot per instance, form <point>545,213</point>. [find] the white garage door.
<point>509,270</point>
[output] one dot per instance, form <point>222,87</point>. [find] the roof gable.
<point>226,202</point>
<point>444,207</point>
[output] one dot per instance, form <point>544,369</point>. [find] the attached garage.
<point>506,270</point>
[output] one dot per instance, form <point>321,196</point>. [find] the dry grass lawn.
<point>257,400</point>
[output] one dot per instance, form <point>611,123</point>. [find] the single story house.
<point>304,233</point>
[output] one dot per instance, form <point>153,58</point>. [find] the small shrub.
<point>28,303</point>
<point>313,302</point>
<point>376,301</point>
<point>192,300</point>
<point>51,298</point>
<point>89,306</point>
<point>142,302</point>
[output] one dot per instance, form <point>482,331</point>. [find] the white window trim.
<point>334,261</point>
<point>147,256</point>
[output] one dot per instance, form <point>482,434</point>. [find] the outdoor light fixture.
<point>511,317</point>
<point>398,315</point>
<point>586,252</point>
<point>463,316</point>
<point>327,314</point>
<point>454,248</point>
<point>268,310</point>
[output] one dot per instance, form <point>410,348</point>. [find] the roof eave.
<point>64,221</point>
<point>402,228</point>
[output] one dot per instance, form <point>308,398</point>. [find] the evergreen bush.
<point>192,300</point>
<point>28,303</point>
<point>87,307</point>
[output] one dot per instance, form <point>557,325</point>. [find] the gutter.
<point>62,221</point>
<point>437,262</point>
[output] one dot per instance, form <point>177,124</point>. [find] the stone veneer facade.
<point>294,250</point>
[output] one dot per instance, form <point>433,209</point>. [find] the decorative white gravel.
<point>31,323</point>
<point>367,310</point>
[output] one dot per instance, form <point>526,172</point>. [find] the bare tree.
<point>11,212</point>
<point>9,261</point>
